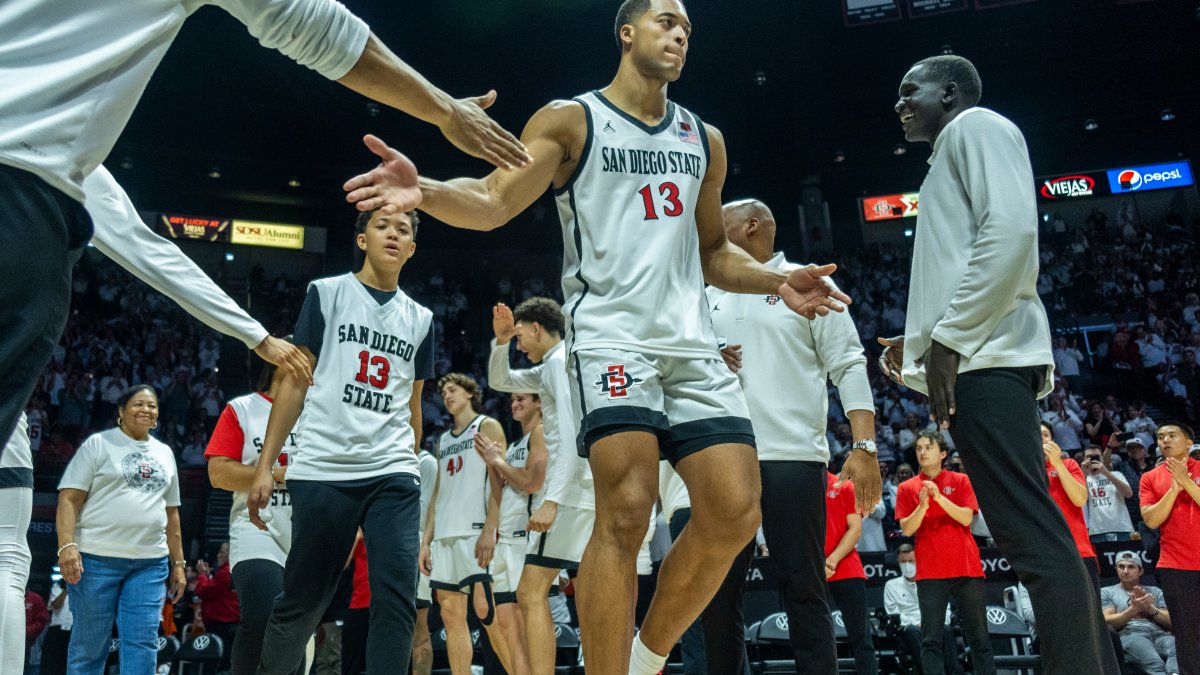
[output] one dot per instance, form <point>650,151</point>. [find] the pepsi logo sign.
<point>1151,177</point>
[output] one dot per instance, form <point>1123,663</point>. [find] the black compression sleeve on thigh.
<point>488,618</point>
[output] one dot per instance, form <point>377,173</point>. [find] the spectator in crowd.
<point>1067,360</point>
<point>1099,425</point>
<point>58,635</point>
<point>1170,496</point>
<point>844,574</point>
<point>36,617</point>
<point>1107,517</point>
<point>118,518</point>
<point>937,507</point>
<point>1140,425</point>
<point>218,601</point>
<point>1139,615</point>
<point>1068,488</point>
<point>900,598</point>
<point>1065,425</point>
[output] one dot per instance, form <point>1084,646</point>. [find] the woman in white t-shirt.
<point>118,518</point>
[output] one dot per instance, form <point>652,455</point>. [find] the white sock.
<point>643,661</point>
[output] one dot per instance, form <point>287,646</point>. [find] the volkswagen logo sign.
<point>160,643</point>
<point>114,644</point>
<point>781,622</point>
<point>557,631</point>
<point>837,618</point>
<point>443,635</point>
<point>201,642</point>
<point>997,616</point>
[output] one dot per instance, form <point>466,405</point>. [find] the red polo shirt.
<point>1179,535</point>
<point>944,548</point>
<point>839,503</point>
<point>1074,514</point>
<point>218,600</point>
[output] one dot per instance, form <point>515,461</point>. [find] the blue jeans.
<point>131,591</point>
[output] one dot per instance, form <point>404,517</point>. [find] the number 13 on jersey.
<point>669,192</point>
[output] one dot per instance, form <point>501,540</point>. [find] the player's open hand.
<point>471,130</point>
<point>891,361</point>
<point>733,357</point>
<point>286,356</point>
<point>488,449</point>
<point>503,323</point>
<point>862,469</point>
<point>260,496</point>
<point>391,186</point>
<point>485,547</point>
<point>809,293</point>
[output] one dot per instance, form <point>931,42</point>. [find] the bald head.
<point>750,225</point>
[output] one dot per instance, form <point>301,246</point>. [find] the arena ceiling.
<point>786,81</point>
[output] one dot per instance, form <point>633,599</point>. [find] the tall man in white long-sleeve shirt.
<point>787,361</point>
<point>562,521</point>
<point>71,74</point>
<point>977,341</point>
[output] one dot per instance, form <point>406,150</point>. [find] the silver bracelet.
<point>65,547</point>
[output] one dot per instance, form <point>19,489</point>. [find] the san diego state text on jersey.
<point>621,160</point>
<point>388,344</point>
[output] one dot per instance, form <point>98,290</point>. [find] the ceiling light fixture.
<point>1091,124</point>
<point>899,150</point>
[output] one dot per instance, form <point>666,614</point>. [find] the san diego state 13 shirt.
<point>371,346</point>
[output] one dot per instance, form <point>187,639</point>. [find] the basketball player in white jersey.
<point>561,524</point>
<point>638,182</point>
<point>422,650</point>
<point>460,535</point>
<point>372,348</point>
<point>257,556</point>
<point>518,476</point>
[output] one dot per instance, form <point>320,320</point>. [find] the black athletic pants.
<point>1181,590</point>
<point>996,431</point>
<point>850,596</point>
<point>325,519</point>
<point>39,228</point>
<point>691,647</point>
<point>355,629</point>
<point>910,642</point>
<point>933,595</point>
<point>54,651</point>
<point>257,582</point>
<point>793,507</point>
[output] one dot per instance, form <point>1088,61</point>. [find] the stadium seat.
<point>201,655</point>
<point>168,650</point>
<point>1004,624</point>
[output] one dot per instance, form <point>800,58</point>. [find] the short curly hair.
<point>467,384</point>
<point>542,311</point>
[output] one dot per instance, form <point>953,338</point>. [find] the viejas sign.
<point>1074,186</point>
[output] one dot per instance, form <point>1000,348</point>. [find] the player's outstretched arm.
<point>731,269</point>
<point>554,137</point>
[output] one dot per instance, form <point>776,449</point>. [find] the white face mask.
<point>909,570</point>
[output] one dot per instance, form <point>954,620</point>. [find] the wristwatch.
<point>867,445</point>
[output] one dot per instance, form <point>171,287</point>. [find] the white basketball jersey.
<point>247,542</point>
<point>631,253</point>
<point>429,472</point>
<point>463,487</point>
<point>355,423</point>
<point>516,505</point>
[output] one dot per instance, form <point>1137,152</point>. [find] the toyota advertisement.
<point>1151,177</point>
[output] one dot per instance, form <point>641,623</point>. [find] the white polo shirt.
<point>975,255</point>
<point>785,362</point>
